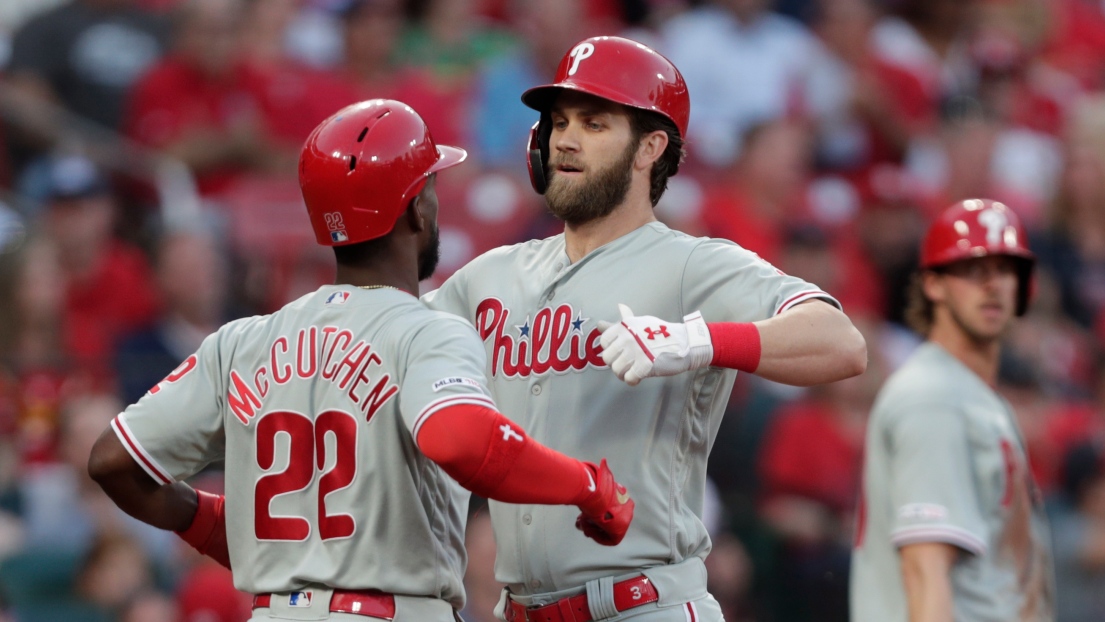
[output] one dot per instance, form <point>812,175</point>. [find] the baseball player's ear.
<point>416,220</point>
<point>652,147</point>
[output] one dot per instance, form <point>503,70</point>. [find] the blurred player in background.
<point>342,416</point>
<point>951,525</point>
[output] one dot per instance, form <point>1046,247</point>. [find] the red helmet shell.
<point>360,168</point>
<point>979,228</point>
<point>622,71</point>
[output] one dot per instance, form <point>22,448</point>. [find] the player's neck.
<point>981,357</point>
<point>580,239</point>
<point>382,273</point>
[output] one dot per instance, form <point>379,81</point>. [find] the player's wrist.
<point>736,345</point>
<point>590,498</point>
<point>700,345</point>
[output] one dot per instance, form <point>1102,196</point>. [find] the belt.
<point>371,603</point>
<point>627,595</point>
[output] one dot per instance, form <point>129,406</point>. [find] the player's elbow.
<point>109,460</point>
<point>853,355</point>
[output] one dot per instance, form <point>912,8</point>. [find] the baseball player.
<point>342,416</point>
<point>950,526</point>
<point>609,136</point>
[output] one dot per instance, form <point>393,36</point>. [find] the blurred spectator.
<point>928,39</point>
<point>1079,535</point>
<point>744,66</point>
<point>451,40</point>
<point>809,467</point>
<point>85,54</point>
<point>1076,44</point>
<point>35,367</point>
<point>109,288</point>
<point>197,104</point>
<point>150,606</point>
<point>63,509</point>
<point>294,97</point>
<point>763,190</point>
<point>192,276</point>
<point>547,28</point>
<point>372,29</point>
<point>1073,244</point>
<point>114,572</point>
<point>729,577</point>
<point>888,105</point>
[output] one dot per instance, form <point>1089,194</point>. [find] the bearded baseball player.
<point>347,418</point>
<point>950,524</point>
<point>609,135</point>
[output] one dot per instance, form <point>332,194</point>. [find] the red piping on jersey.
<point>137,451</point>
<point>798,297</point>
<point>691,612</point>
<point>647,352</point>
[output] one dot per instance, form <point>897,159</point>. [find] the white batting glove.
<point>645,346</point>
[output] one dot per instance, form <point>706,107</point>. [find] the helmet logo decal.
<point>580,53</point>
<point>336,225</point>
<point>995,223</point>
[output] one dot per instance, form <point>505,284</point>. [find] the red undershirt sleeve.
<point>494,458</point>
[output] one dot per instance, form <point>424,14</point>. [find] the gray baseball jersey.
<point>945,463</point>
<point>315,408</point>
<point>537,314</point>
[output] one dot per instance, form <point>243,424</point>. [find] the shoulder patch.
<point>448,382</point>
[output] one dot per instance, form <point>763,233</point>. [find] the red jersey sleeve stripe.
<point>804,296</point>
<point>148,464</point>
<point>452,400</point>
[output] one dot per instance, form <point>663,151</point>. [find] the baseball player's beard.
<point>429,256</point>
<point>592,198</point>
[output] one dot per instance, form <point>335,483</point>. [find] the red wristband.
<point>736,345</point>
<point>207,533</point>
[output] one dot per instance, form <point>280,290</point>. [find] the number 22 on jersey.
<point>306,442</point>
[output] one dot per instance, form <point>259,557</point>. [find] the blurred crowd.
<point>824,134</point>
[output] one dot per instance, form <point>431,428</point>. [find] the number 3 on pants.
<point>306,453</point>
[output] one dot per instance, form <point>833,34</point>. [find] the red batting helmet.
<point>613,68</point>
<point>979,228</point>
<point>360,169</point>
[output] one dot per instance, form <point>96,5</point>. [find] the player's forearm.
<point>813,343</point>
<point>169,507</point>
<point>472,446</point>
<point>925,572</point>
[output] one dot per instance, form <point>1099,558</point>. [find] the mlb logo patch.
<point>338,236</point>
<point>337,298</point>
<point>299,599</point>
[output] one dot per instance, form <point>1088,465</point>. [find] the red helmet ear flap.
<point>537,151</point>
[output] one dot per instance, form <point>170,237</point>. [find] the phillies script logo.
<point>552,340</point>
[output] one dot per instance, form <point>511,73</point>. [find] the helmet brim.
<point>448,156</point>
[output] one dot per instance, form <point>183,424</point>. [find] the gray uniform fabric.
<point>537,314</point>
<point>945,462</point>
<point>316,408</point>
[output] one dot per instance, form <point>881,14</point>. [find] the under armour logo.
<point>509,432</point>
<point>663,330</point>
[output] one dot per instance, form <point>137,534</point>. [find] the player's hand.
<point>644,346</point>
<point>606,513</point>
